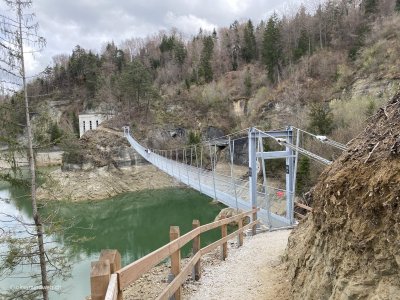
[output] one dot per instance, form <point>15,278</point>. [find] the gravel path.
<point>253,271</point>
<point>250,272</point>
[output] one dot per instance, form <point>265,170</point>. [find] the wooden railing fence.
<point>301,205</point>
<point>107,279</point>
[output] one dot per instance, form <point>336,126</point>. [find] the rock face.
<point>105,147</point>
<point>349,247</point>
<point>109,167</point>
<point>102,183</point>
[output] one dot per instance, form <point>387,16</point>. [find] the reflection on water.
<point>134,223</point>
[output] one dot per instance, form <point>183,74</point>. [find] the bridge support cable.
<point>296,163</point>
<point>172,159</point>
<point>231,154</point>
<point>325,140</point>
<point>252,168</point>
<point>266,194</point>
<point>307,153</point>
<point>201,160</point>
<point>186,165</point>
<point>213,173</point>
<point>289,176</point>
<point>197,166</point>
<point>191,156</point>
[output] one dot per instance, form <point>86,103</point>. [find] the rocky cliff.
<point>104,165</point>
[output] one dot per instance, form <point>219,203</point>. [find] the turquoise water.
<point>134,223</point>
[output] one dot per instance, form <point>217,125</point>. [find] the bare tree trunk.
<point>36,216</point>
<point>320,35</point>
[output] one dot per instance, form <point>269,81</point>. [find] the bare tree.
<point>19,31</point>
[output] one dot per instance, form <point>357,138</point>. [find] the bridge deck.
<point>229,191</point>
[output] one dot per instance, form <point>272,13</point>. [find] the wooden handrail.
<point>303,206</point>
<point>214,245</point>
<point>112,290</point>
<point>103,280</point>
<point>133,271</point>
<point>177,282</point>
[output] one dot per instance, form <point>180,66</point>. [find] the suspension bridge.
<point>199,166</point>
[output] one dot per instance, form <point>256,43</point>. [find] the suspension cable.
<point>324,139</point>
<point>231,153</point>
<point>266,195</point>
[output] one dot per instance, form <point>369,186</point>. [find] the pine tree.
<point>397,6</point>
<point>303,175</point>
<point>205,60</point>
<point>272,48</point>
<point>249,43</point>
<point>235,45</point>
<point>370,6</point>
<point>321,119</point>
<point>179,53</point>
<point>247,83</point>
<point>302,45</point>
<point>135,84</point>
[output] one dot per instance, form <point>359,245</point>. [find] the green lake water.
<point>134,223</point>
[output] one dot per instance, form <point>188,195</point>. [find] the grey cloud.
<point>90,23</point>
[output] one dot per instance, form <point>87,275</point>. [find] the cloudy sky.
<point>91,23</point>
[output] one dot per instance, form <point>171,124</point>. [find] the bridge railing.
<point>112,284</point>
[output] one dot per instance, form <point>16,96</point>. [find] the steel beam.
<point>252,167</point>
<point>274,154</point>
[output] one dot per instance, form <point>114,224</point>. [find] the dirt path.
<point>250,272</point>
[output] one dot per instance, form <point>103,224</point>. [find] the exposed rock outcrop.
<point>108,166</point>
<point>101,183</point>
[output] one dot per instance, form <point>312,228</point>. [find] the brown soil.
<point>349,247</point>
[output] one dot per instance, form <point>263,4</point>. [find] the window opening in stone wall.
<point>97,123</point>
<point>84,126</point>
<point>90,125</point>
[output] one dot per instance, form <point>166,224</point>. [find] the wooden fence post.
<point>99,278</point>
<point>114,257</point>
<point>196,247</point>
<point>174,233</point>
<point>224,232</point>
<point>240,236</point>
<point>254,229</point>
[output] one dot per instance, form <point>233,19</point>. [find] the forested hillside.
<point>326,68</point>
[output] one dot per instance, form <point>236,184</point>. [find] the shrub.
<point>194,138</point>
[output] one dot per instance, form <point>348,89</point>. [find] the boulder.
<point>230,212</point>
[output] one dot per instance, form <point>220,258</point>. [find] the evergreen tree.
<point>272,48</point>
<point>167,43</point>
<point>205,60</point>
<point>249,44</point>
<point>370,6</point>
<point>302,45</point>
<point>321,119</point>
<point>397,6</point>
<point>303,175</point>
<point>247,83</point>
<point>180,53</point>
<point>83,68</point>
<point>214,34</point>
<point>75,124</point>
<point>235,45</point>
<point>135,84</point>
